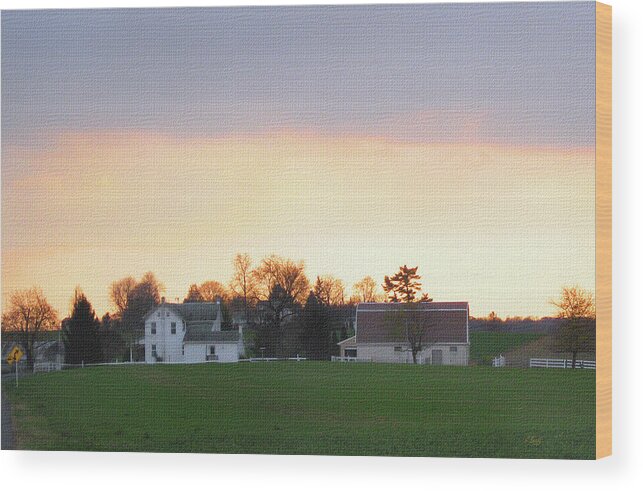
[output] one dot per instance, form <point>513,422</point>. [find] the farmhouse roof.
<point>443,322</point>
<point>201,333</point>
<point>193,311</point>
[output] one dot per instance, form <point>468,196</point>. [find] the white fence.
<point>499,361</point>
<point>297,358</point>
<point>122,363</point>
<point>559,363</point>
<point>349,359</point>
<point>47,367</point>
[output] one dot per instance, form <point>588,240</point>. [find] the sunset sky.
<point>456,138</point>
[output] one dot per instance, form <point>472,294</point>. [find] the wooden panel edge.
<point>603,230</point>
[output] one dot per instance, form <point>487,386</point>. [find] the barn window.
<point>153,327</point>
<point>173,328</point>
<point>397,348</point>
<point>453,348</point>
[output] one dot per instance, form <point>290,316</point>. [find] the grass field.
<point>485,345</point>
<point>310,408</point>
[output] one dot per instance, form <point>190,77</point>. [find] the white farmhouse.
<point>189,333</point>
<point>380,337</point>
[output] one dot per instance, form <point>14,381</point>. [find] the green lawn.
<point>310,408</point>
<point>485,346</point>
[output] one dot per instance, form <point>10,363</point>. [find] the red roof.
<point>443,322</point>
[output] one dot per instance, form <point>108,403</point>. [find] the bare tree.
<point>329,290</point>
<point>29,313</point>
<point>410,322</point>
<point>119,292</point>
<point>194,295</point>
<point>285,273</point>
<point>212,290</point>
<point>575,303</point>
<point>243,283</point>
<point>281,285</point>
<point>578,331</point>
<point>366,290</point>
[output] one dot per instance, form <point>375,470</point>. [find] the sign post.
<point>13,358</point>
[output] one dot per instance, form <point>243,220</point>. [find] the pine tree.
<point>316,329</point>
<point>81,333</point>
<point>404,286</point>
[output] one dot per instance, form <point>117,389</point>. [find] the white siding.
<point>386,353</point>
<point>225,352</point>
<point>168,346</point>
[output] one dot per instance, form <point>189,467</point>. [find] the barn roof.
<point>443,322</point>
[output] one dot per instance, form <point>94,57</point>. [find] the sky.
<point>454,137</point>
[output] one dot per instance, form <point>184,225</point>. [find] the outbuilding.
<point>441,329</point>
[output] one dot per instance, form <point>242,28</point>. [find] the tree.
<point>278,309</point>
<point>111,338</point>
<point>577,310</point>
<point>140,300</point>
<point>194,295</point>
<point>81,332</point>
<point>285,273</point>
<point>366,290</point>
<point>404,286</point>
<point>329,290</point>
<point>119,293</point>
<point>29,313</point>
<point>243,283</point>
<point>316,329</point>
<point>211,291</point>
<point>409,322</point>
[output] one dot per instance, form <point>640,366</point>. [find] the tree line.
<point>283,313</point>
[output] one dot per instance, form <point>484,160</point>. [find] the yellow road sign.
<point>14,355</point>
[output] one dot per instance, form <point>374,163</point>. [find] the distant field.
<point>485,346</point>
<point>310,408</point>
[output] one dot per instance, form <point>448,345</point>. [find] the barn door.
<point>436,357</point>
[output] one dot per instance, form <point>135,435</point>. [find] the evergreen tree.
<point>316,329</point>
<point>404,286</point>
<point>81,333</point>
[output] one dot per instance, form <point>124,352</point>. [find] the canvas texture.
<point>337,230</point>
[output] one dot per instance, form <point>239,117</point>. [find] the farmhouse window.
<point>453,348</point>
<point>211,350</point>
<point>173,327</point>
<point>153,327</point>
<point>153,350</point>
